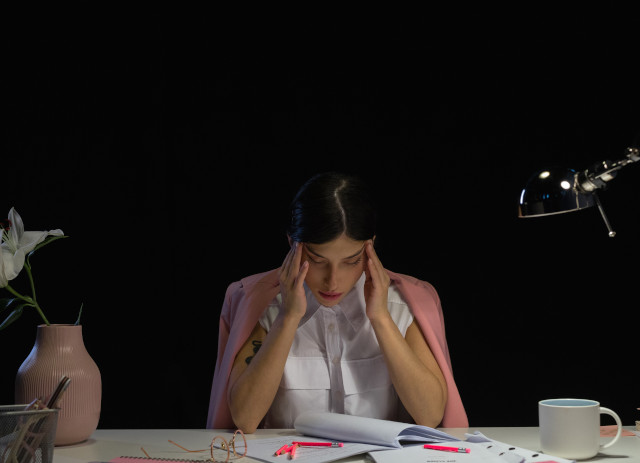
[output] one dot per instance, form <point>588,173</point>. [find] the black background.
<point>168,152</point>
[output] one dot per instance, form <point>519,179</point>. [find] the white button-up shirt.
<point>335,363</point>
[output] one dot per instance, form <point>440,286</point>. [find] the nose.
<point>331,279</point>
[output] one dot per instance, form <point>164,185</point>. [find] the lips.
<point>330,296</point>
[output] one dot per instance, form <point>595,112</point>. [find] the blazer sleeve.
<point>427,311</point>
<point>219,415</point>
<point>244,302</point>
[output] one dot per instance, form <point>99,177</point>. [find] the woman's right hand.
<point>292,275</point>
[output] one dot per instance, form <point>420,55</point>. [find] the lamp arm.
<point>603,172</point>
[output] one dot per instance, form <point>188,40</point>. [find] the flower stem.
<point>30,301</point>
<point>27,267</point>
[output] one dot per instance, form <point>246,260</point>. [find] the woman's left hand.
<point>376,285</point>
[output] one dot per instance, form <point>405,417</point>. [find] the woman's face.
<point>334,268</point>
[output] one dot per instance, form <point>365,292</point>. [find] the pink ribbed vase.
<point>59,350</point>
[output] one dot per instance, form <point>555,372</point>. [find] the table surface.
<point>106,444</point>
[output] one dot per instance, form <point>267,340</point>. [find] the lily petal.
<point>13,263</point>
<point>17,227</point>
<point>17,244</point>
<point>31,239</point>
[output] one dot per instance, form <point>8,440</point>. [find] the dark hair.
<point>330,204</point>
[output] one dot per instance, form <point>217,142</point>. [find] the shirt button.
<point>336,360</point>
<point>332,328</point>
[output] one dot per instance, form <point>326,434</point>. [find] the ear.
<point>289,240</point>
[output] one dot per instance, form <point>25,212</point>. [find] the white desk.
<point>106,444</point>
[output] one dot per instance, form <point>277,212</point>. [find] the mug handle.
<point>607,411</point>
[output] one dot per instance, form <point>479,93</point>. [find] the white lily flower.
<point>16,245</point>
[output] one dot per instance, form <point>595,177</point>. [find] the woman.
<point>332,329</point>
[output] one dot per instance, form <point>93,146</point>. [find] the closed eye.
<point>312,257</point>
<point>318,262</point>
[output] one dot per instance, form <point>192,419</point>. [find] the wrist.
<point>289,319</point>
<point>380,317</point>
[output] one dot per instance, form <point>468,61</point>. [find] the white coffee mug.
<point>570,428</point>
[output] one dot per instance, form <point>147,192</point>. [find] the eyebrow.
<point>344,258</point>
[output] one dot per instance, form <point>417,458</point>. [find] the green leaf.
<point>79,314</point>
<point>12,317</point>
<point>5,303</point>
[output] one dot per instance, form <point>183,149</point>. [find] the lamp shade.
<point>552,191</point>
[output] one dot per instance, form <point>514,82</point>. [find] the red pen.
<point>319,444</point>
<point>447,449</point>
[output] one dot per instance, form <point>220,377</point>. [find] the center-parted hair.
<point>330,204</point>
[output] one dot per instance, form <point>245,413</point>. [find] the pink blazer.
<point>245,301</point>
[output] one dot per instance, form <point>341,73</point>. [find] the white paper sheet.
<point>482,449</point>
<point>416,453</point>
<point>525,455</point>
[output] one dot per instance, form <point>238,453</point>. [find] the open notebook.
<point>350,428</point>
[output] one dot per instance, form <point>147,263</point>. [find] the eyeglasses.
<point>222,451</point>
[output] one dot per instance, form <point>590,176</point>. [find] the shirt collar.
<point>352,306</point>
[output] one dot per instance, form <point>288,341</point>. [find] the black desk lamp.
<point>558,190</point>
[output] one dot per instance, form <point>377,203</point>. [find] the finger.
<point>367,271</point>
<point>376,268</point>
<point>302,274</point>
<point>371,251</point>
<point>285,265</point>
<point>367,260</point>
<point>373,258</point>
<point>373,275</point>
<point>297,255</point>
<point>285,269</point>
<point>294,262</point>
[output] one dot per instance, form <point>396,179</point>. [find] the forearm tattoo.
<point>256,348</point>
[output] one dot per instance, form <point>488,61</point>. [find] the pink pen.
<point>284,449</point>
<point>293,450</point>
<point>320,444</point>
<point>447,449</point>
